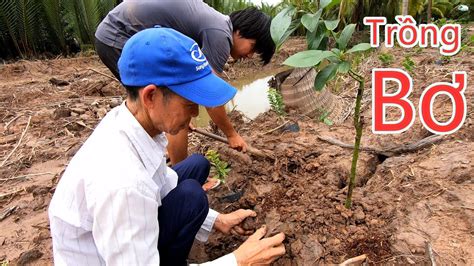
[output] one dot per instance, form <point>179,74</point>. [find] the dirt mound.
<point>407,204</point>
<point>401,202</point>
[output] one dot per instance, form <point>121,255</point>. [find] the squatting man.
<point>117,202</point>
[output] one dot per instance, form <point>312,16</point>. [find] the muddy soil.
<point>402,203</point>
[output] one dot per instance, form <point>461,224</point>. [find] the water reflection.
<point>251,100</point>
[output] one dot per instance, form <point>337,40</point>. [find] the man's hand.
<point>230,223</point>
<point>219,116</point>
<point>237,142</point>
<point>260,251</point>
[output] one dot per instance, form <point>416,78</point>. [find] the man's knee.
<point>192,195</point>
<point>201,162</point>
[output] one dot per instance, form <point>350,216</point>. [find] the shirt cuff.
<point>227,260</point>
<point>206,228</point>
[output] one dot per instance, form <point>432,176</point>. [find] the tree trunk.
<point>405,7</point>
<point>430,4</point>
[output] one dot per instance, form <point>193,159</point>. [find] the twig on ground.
<point>23,176</point>
<point>358,259</point>
<point>439,192</point>
<point>13,193</point>
<point>274,129</point>
<point>7,212</point>
<point>227,76</point>
<point>423,143</point>
<point>398,256</point>
<point>7,125</point>
<point>38,226</point>
<point>18,144</point>
<point>468,208</point>
<point>429,253</point>
<point>103,74</point>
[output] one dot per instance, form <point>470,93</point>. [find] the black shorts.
<point>109,56</point>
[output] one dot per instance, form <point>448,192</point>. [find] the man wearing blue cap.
<point>240,35</point>
<point>117,202</point>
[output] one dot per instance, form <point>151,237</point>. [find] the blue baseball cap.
<point>165,57</point>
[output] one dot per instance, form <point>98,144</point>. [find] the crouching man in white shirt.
<point>117,202</point>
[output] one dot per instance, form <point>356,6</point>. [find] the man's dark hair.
<point>132,92</point>
<point>254,24</point>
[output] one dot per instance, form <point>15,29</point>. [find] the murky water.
<point>251,99</point>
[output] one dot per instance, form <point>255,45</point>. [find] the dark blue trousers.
<point>183,211</point>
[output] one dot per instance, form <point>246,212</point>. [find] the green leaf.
<point>331,24</point>
<point>345,36</point>
<point>344,67</point>
<point>307,58</point>
<point>293,26</point>
<point>314,38</point>
<point>324,76</point>
<point>280,24</point>
<point>310,21</point>
<point>328,121</point>
<point>324,3</point>
<point>359,48</point>
<point>336,51</point>
<point>332,4</point>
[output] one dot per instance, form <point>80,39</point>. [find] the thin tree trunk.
<point>430,4</point>
<point>405,7</point>
<point>358,124</point>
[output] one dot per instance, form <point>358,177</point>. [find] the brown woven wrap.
<point>297,88</point>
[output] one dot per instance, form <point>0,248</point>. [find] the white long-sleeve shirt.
<point>105,207</point>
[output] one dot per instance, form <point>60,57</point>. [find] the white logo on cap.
<point>197,54</point>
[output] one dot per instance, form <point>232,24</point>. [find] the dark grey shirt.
<point>194,18</point>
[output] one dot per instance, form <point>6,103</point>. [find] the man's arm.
<point>219,116</point>
<point>216,46</point>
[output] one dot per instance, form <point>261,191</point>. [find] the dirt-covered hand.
<point>231,222</point>
<point>237,142</point>
<point>260,251</point>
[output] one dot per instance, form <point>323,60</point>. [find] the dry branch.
<point>103,74</point>
<point>421,144</point>
<point>7,125</point>
<point>278,127</point>
<point>7,212</point>
<point>429,253</point>
<point>23,176</point>
<point>13,193</point>
<point>250,149</point>
<point>18,144</point>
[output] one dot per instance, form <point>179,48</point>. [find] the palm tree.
<point>20,24</point>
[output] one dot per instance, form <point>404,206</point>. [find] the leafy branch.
<point>276,101</point>
<point>329,63</point>
<point>221,169</point>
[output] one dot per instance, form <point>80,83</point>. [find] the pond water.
<point>251,99</point>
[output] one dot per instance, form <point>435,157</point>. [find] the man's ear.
<point>148,94</point>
